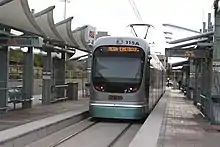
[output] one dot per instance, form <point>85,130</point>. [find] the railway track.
<point>111,144</point>
<point>93,133</point>
<point>74,134</point>
<point>119,135</point>
<point>86,136</point>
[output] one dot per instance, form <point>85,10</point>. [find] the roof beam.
<point>192,37</point>
<point>189,44</point>
<point>182,28</point>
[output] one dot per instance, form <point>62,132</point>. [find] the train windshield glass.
<point>117,68</point>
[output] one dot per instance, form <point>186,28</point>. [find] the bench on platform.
<point>15,96</point>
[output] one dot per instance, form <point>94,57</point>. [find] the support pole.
<point>196,91</point>
<point>47,88</point>
<point>4,75</point>
<point>204,27</point>
<point>214,66</point>
<point>210,88</point>
<point>89,64</point>
<point>204,89</point>
<point>199,79</point>
<point>209,22</point>
<point>192,79</point>
<point>184,78</point>
<point>188,81</point>
<point>28,78</point>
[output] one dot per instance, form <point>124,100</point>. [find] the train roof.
<point>155,62</point>
<point>131,41</point>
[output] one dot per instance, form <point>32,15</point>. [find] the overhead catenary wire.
<point>138,12</point>
<point>135,10</point>
<point>139,17</point>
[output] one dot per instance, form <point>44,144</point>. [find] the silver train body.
<point>127,79</point>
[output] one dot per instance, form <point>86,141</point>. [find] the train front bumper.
<point>117,111</point>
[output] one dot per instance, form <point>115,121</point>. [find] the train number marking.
<point>132,42</point>
<point>115,97</point>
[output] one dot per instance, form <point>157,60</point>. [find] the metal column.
<point>4,74</point>
<point>204,87</point>
<point>188,79</point>
<point>28,76</point>
<point>214,63</point>
<point>89,65</point>
<point>192,78</point>
<point>174,80</point>
<point>204,82</point>
<point>196,90</point>
<point>199,80</point>
<point>47,88</point>
<point>210,89</point>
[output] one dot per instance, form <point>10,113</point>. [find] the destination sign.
<point>123,49</point>
<point>192,53</point>
<point>21,41</point>
<point>189,53</point>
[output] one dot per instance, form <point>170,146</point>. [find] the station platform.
<point>176,122</point>
<point>38,111</point>
<point>184,126</point>
<point>20,127</point>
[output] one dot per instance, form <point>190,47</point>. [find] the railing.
<point>214,106</point>
<point>15,96</point>
<point>16,72</point>
<point>203,105</point>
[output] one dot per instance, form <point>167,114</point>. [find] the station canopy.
<point>17,15</point>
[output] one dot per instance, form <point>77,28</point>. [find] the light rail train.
<point>127,78</point>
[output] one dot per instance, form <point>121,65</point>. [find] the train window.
<point>109,68</point>
<point>117,71</point>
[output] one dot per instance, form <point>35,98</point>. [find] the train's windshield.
<point>117,70</point>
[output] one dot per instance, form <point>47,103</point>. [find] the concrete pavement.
<point>184,126</point>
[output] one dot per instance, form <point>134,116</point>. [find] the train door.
<point>147,82</point>
<point>157,85</point>
<point>152,86</point>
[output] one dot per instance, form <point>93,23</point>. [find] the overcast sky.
<point>114,15</point>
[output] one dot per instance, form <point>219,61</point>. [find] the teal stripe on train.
<point>117,112</point>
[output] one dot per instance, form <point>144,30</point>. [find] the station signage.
<point>21,41</point>
<point>90,34</point>
<point>192,53</point>
<point>14,41</point>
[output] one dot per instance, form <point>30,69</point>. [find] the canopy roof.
<point>17,15</point>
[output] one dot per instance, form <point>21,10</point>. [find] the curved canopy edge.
<point>45,19</point>
<point>19,16</point>
<point>64,29</point>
